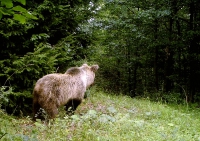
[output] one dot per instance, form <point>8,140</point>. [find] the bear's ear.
<point>84,65</point>
<point>94,68</point>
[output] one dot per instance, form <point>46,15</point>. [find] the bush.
<point>24,71</point>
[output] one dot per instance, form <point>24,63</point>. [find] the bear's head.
<point>85,72</point>
<point>90,73</point>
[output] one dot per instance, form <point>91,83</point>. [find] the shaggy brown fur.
<point>55,90</point>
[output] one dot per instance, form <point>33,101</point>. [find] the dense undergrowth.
<point>103,117</point>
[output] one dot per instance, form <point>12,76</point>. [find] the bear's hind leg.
<point>71,106</point>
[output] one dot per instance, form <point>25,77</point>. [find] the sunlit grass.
<point>103,117</point>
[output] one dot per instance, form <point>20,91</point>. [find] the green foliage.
<point>170,98</point>
<point>4,95</point>
<point>19,13</point>
<point>148,46</point>
<point>27,69</point>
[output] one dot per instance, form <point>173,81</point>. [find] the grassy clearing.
<point>104,117</point>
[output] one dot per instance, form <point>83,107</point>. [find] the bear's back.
<point>74,71</point>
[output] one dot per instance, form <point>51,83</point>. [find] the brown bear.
<point>68,89</point>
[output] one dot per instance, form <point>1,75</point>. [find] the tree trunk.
<point>168,60</point>
<point>192,56</point>
<point>156,56</point>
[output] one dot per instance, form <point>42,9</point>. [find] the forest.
<point>147,86</point>
<point>145,48</point>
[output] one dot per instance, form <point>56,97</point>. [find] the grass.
<point>106,117</point>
